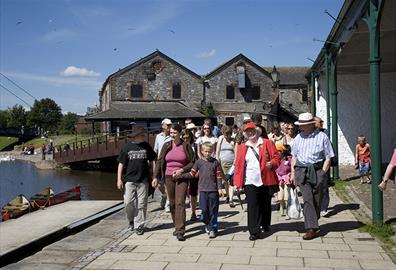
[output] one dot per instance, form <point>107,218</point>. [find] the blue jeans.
<point>209,204</point>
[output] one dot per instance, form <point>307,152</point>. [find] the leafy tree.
<point>67,124</point>
<point>45,113</point>
<point>3,119</point>
<point>207,109</point>
<point>16,116</point>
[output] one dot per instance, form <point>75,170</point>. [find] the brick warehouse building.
<point>157,86</point>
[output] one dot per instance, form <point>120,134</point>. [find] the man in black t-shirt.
<point>135,156</point>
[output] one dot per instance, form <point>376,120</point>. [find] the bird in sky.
<point>170,30</point>
<point>131,28</point>
<point>19,22</point>
<point>114,49</point>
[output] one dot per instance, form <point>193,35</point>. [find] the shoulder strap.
<point>255,153</point>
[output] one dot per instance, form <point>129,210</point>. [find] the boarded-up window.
<point>136,91</point>
<point>176,91</point>
<point>230,92</point>
<point>229,121</point>
<point>255,92</point>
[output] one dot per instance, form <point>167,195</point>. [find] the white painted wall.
<point>354,113</point>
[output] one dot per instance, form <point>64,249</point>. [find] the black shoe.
<point>139,231</point>
<point>266,228</point>
<point>180,237</point>
<point>227,199</point>
<point>254,237</point>
<point>130,226</point>
<point>193,217</point>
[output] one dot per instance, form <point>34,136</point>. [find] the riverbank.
<point>47,164</point>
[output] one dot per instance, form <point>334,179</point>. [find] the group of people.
<point>187,162</point>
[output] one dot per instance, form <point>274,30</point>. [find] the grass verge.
<point>6,141</point>
<point>384,232</point>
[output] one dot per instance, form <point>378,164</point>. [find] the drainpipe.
<point>334,112</point>
<point>327,78</point>
<point>313,94</point>
<point>373,22</point>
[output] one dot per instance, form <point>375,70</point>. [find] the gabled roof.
<point>234,60</point>
<point>291,75</point>
<point>129,110</point>
<point>145,59</point>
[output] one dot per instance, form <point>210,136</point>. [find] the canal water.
<point>22,177</point>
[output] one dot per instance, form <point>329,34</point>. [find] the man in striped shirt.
<point>311,153</point>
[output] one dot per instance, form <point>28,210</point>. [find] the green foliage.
<point>6,141</point>
<point>16,117</point>
<point>45,113</point>
<point>67,124</point>
<point>207,109</point>
<point>3,119</point>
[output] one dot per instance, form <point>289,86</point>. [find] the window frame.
<point>181,89</point>
<point>226,92</point>
<point>259,92</point>
<point>133,83</point>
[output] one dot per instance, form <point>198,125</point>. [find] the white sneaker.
<point>167,207</point>
<point>324,213</point>
<point>212,234</point>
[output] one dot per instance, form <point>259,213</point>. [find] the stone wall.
<point>242,104</point>
<point>161,87</point>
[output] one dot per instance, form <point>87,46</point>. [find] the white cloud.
<point>72,71</point>
<point>209,54</point>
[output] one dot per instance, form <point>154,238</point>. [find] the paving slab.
<point>15,233</point>
<point>340,246</point>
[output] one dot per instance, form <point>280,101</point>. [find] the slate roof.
<point>126,110</point>
<point>291,75</point>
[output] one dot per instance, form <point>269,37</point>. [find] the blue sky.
<point>65,49</point>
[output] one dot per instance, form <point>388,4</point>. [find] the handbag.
<point>294,209</point>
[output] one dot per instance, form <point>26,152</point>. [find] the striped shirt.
<point>312,148</point>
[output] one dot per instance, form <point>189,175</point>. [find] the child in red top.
<point>363,159</point>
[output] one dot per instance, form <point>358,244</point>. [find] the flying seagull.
<point>170,30</point>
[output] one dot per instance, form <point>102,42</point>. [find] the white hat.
<point>166,121</point>
<point>247,118</point>
<point>305,119</point>
<point>191,126</point>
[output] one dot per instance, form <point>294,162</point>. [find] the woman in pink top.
<point>176,158</point>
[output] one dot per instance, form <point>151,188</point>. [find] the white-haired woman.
<point>255,165</point>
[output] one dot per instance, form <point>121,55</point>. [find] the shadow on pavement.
<point>342,207</point>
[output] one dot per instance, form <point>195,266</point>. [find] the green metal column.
<point>334,112</point>
<point>373,22</point>
<point>327,78</point>
<point>313,94</point>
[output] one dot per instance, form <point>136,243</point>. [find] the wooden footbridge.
<point>97,148</point>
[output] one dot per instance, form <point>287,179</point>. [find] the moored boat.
<point>15,208</point>
<point>47,197</point>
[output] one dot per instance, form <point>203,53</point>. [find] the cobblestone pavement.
<point>341,245</point>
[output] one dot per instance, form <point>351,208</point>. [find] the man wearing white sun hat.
<point>311,153</point>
